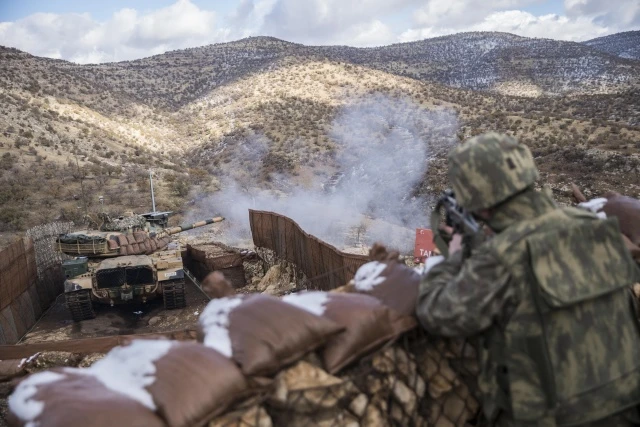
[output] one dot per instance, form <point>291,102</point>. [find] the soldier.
<point>547,296</point>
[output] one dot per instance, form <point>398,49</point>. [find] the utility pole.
<point>153,200</point>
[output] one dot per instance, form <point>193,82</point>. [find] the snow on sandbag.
<point>69,397</point>
<point>368,324</point>
<point>207,381</point>
<point>395,284</point>
<point>262,333</point>
<point>184,383</point>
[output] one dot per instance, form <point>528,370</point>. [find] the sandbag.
<point>367,321</point>
<point>153,244</point>
<point>124,250</point>
<point>395,284</point>
<point>262,333</point>
<point>144,248</point>
<point>12,368</point>
<point>207,382</point>
<point>139,236</point>
<point>68,397</point>
<point>122,240</point>
<point>135,249</point>
<point>627,210</point>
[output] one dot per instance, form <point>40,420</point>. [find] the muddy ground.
<point>56,324</point>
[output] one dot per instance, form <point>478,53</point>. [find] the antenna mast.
<point>153,200</point>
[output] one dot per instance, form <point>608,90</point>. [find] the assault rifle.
<point>457,218</point>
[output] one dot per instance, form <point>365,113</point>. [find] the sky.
<point>118,30</point>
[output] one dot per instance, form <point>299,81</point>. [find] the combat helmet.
<point>488,169</point>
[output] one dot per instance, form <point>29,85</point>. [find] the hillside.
<point>498,62</point>
<point>624,45</point>
<point>502,63</point>
<point>264,114</point>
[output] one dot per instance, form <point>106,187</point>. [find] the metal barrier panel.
<point>325,266</point>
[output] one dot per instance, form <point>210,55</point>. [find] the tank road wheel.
<point>79,304</point>
<point>173,295</point>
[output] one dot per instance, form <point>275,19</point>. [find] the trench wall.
<point>30,280</point>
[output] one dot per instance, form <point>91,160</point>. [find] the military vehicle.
<point>128,259</point>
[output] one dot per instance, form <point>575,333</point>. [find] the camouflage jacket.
<point>549,296</point>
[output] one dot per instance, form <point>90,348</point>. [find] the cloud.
<point>622,14</point>
<point>127,35</point>
<point>355,23</point>
<point>547,26</point>
<point>584,19</point>
<point>443,14</point>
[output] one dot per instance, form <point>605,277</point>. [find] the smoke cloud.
<point>384,147</point>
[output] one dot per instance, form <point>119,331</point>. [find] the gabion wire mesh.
<point>44,237</point>
<point>416,381</point>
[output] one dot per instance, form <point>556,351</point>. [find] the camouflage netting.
<point>134,222</point>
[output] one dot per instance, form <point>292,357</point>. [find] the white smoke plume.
<point>384,145</point>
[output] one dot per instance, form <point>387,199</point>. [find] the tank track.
<point>173,295</point>
<point>80,306</point>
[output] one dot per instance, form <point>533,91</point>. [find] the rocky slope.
<point>264,113</point>
<point>624,45</point>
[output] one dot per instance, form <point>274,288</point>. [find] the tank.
<point>128,259</point>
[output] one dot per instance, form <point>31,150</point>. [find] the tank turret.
<point>124,236</point>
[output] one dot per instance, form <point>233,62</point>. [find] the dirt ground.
<point>56,324</point>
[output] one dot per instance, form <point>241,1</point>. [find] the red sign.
<point>424,247</point>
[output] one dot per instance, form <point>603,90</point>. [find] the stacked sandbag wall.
<point>304,359</point>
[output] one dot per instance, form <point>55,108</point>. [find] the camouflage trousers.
<point>628,418</point>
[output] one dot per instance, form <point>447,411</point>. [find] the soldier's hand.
<point>455,244</point>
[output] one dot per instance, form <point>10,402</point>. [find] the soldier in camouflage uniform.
<point>547,295</point>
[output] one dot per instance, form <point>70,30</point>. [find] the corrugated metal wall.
<point>24,295</point>
<point>325,266</point>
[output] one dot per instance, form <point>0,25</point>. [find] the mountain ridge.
<point>625,44</point>
<point>267,114</point>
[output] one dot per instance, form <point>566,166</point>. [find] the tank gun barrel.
<point>185,227</point>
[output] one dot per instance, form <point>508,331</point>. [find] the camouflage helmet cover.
<point>488,169</point>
